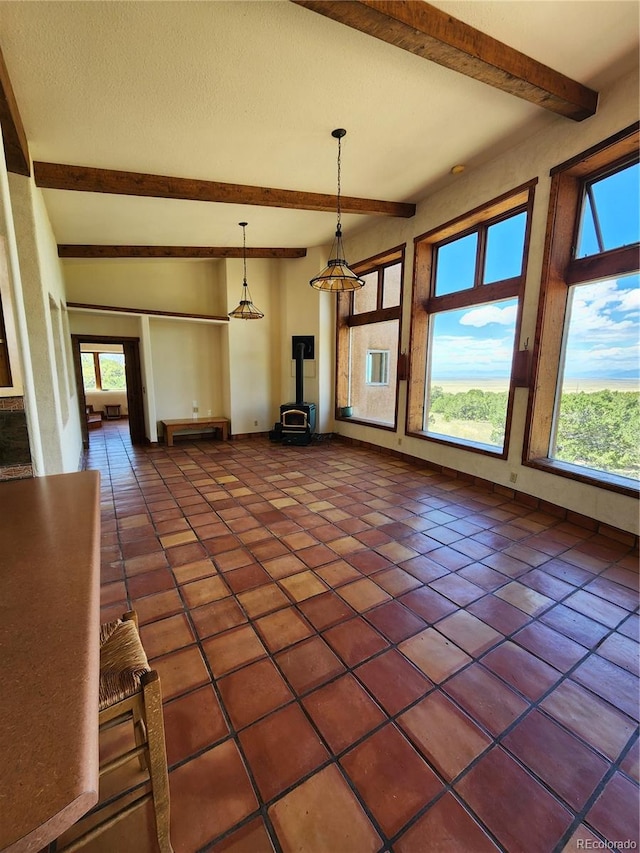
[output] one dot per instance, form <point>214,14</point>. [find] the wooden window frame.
<point>98,370</point>
<point>424,303</point>
<point>345,319</point>
<point>560,270</point>
<point>385,362</point>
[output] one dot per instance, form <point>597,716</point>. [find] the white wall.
<point>618,108</point>
<point>252,348</point>
<point>114,325</point>
<point>43,292</point>
<point>185,286</point>
<point>186,368</point>
<point>100,399</point>
<point>14,311</point>
<point>306,311</point>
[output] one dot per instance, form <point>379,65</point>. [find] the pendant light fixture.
<point>246,310</point>
<point>337,276</point>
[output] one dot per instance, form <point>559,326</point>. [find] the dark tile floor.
<point>357,655</point>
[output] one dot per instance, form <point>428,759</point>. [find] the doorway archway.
<point>133,375</point>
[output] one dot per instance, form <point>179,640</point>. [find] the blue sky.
<point>474,343</point>
<point>604,337</point>
<point>617,203</point>
<point>603,342</point>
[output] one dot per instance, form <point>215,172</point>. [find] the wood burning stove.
<point>298,419</point>
<point>297,422</point>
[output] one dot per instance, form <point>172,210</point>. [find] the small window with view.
<point>377,367</point>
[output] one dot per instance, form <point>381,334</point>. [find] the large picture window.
<point>471,351</point>
<point>368,341</point>
<point>597,418</point>
<point>586,402</point>
<point>466,316</point>
<point>103,371</point>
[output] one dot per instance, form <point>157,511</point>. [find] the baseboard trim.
<point>560,512</point>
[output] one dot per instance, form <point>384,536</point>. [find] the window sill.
<point>599,479</point>
<point>363,422</point>
<point>461,444</point>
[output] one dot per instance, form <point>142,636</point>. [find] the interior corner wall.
<point>43,287</point>
<point>252,344</point>
<point>532,159</point>
<point>225,366</point>
<point>306,311</point>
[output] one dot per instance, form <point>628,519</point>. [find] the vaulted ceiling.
<point>227,104</point>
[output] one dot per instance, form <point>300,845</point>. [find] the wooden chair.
<point>94,419</point>
<point>130,690</point>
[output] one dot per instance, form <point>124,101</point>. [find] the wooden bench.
<point>192,425</point>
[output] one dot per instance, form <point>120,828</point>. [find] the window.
<point>470,368</point>
<point>377,367</point>
<point>103,371</point>
<point>609,216</point>
<point>586,400</point>
<point>466,317</point>
<point>368,341</point>
<point>596,423</point>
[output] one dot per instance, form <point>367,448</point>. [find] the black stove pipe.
<point>300,374</point>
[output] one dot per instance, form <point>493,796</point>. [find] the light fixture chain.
<point>339,228</point>
<point>337,276</point>
<point>244,254</point>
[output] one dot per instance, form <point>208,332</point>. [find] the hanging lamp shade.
<point>246,310</point>
<point>337,276</point>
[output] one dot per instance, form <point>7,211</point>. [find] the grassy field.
<point>470,430</point>
<point>589,386</point>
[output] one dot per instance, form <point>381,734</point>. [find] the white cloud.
<point>602,361</point>
<point>468,357</point>
<point>486,314</point>
<point>630,300</point>
<point>601,310</point>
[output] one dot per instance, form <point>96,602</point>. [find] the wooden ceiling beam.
<point>117,309</point>
<point>58,176</point>
<point>16,147</point>
<point>68,250</point>
<point>426,31</point>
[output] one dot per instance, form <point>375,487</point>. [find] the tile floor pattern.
<point>359,655</point>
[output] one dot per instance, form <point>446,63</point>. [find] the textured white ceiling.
<point>248,92</point>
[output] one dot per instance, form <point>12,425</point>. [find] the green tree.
<point>472,405</point>
<point>112,373</point>
<point>88,370</point>
<point>600,430</point>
